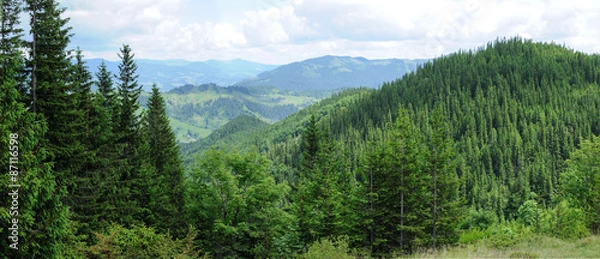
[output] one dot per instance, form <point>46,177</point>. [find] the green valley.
<point>196,111</point>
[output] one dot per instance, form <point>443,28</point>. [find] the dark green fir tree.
<point>167,192</point>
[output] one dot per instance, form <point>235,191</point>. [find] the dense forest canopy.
<point>494,143</point>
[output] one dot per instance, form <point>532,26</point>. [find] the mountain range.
<point>333,73</point>
<point>170,74</point>
<point>325,73</point>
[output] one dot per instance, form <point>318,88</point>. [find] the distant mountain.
<point>333,73</point>
<point>170,74</point>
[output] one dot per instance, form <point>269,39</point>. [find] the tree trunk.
<point>33,57</point>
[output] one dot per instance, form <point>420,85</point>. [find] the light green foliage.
<point>499,235</point>
<point>528,213</point>
<point>237,206</point>
<point>328,248</point>
<point>143,243</point>
<point>564,221</point>
<point>581,181</point>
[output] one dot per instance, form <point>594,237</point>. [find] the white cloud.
<point>274,25</point>
<point>278,31</point>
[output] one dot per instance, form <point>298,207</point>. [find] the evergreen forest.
<point>497,145</point>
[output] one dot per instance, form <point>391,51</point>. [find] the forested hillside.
<point>515,111</point>
<point>496,146</point>
<point>514,108</point>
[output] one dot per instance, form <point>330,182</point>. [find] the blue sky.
<point>283,31</point>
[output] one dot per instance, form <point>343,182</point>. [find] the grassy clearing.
<point>534,246</point>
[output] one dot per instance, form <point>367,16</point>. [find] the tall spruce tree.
<point>51,89</point>
<point>40,213</point>
<point>106,89</point>
<point>318,200</point>
<point>109,160</point>
<point>167,192</point>
<point>128,118</point>
<point>395,188</point>
<point>95,179</point>
<point>135,172</point>
<point>444,185</point>
<point>406,170</point>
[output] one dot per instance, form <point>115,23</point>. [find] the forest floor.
<point>536,246</point>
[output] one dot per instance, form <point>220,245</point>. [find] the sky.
<point>284,31</point>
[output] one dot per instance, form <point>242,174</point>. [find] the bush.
<point>528,213</point>
<point>564,221</point>
<point>479,219</point>
<point>141,242</point>
<point>471,236</point>
<point>509,234</point>
<point>326,248</point>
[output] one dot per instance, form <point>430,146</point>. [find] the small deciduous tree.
<point>581,181</point>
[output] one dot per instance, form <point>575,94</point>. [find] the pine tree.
<point>445,202</point>
<point>128,120</point>
<point>319,197</point>
<point>310,145</point>
<point>406,166</point>
<point>51,88</point>
<point>104,159</point>
<point>373,163</point>
<point>395,188</point>
<point>135,171</point>
<point>106,89</point>
<point>10,36</point>
<point>95,179</point>
<point>41,215</point>
<point>167,191</point>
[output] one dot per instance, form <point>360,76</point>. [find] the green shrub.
<point>564,221</point>
<point>528,213</point>
<point>141,242</point>
<point>509,234</point>
<point>326,248</point>
<point>479,219</point>
<point>471,236</point>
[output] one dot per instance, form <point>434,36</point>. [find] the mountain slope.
<point>169,74</point>
<point>515,110</point>
<point>333,73</point>
<point>285,131</point>
<point>236,128</point>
